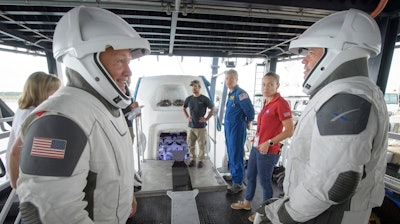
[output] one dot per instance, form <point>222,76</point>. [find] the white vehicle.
<point>162,138</point>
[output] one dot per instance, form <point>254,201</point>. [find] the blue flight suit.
<point>239,110</point>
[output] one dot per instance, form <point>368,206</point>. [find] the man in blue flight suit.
<point>238,116</point>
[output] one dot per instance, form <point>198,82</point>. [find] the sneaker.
<point>240,205</point>
<point>200,165</point>
<point>236,188</point>
<point>227,177</point>
<point>252,217</point>
<point>192,162</point>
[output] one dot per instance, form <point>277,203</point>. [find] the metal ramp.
<point>184,208</point>
<point>181,184</point>
<point>157,178</point>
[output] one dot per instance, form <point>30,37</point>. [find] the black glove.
<point>261,211</point>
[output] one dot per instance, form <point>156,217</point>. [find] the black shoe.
<point>192,162</point>
<point>236,188</point>
<point>227,177</point>
<point>200,165</point>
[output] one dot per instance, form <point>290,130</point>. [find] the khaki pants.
<point>199,135</point>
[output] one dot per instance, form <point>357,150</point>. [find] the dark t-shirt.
<point>198,108</point>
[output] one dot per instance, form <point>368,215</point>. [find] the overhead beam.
<point>26,40</point>
<point>174,21</point>
<point>267,11</point>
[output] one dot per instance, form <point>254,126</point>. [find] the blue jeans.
<point>263,166</point>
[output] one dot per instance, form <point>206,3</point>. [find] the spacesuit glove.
<point>133,114</point>
<point>261,217</point>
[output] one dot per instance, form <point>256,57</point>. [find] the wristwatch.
<point>270,142</point>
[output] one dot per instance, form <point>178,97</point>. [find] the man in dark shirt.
<point>197,104</point>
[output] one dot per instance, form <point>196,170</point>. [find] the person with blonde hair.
<point>38,87</point>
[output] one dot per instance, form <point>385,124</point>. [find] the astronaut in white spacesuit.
<point>77,159</point>
<point>337,159</point>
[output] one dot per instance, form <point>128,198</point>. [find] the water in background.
<point>12,103</point>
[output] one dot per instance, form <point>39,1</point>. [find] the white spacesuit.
<point>337,158</point>
<point>77,161</point>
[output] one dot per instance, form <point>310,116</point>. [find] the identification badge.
<point>256,139</point>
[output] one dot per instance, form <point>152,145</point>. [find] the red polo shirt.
<point>269,121</point>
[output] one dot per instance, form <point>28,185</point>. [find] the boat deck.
<point>213,203</point>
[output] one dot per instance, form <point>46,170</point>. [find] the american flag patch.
<point>48,147</point>
<point>243,96</point>
<point>286,114</point>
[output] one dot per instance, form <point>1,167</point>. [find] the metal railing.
<point>4,134</point>
<point>393,183</point>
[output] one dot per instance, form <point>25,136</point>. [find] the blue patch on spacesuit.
<point>340,117</point>
<point>343,114</point>
<point>51,159</point>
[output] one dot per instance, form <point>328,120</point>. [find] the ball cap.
<point>195,82</point>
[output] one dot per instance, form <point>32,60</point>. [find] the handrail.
<point>6,119</point>
<point>3,120</point>
<point>7,206</point>
<point>12,197</point>
<point>2,169</point>
<point>3,135</point>
<point>213,139</point>
<point>392,183</point>
<point>393,135</point>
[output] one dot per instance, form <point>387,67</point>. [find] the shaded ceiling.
<point>216,28</point>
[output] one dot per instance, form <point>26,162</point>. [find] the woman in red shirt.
<point>274,124</point>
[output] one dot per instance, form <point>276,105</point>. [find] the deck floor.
<point>213,204</point>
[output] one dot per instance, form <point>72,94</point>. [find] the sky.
<point>17,67</point>
<point>393,83</point>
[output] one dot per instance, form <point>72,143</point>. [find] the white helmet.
<point>345,35</point>
<point>82,33</point>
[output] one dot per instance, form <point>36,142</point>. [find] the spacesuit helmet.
<point>82,33</point>
<point>345,36</point>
